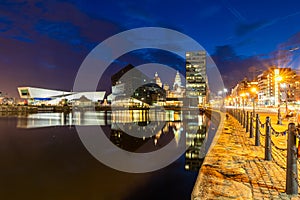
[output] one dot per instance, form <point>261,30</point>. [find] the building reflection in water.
<point>196,142</point>
<point>40,120</point>
<point>137,130</point>
<point>152,130</point>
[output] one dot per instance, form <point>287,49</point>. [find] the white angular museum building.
<point>53,97</point>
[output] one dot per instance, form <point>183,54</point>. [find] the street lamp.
<point>278,79</point>
<point>285,96</point>
<point>254,92</point>
<point>243,100</point>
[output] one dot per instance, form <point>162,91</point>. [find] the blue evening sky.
<point>42,43</point>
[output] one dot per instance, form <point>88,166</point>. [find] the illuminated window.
<point>25,92</point>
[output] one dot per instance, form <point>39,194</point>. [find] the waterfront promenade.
<point>235,168</point>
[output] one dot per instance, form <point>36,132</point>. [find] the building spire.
<point>177,81</point>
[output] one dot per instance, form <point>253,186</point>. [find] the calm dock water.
<point>42,156</point>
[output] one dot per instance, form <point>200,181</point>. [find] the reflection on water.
<point>196,148</point>
<point>139,117</point>
<point>137,131</point>
<point>52,163</point>
<point>39,120</point>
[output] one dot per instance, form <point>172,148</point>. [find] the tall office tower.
<point>196,79</point>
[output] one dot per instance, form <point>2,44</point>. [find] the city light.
<point>278,78</point>
<point>269,89</point>
<point>254,90</point>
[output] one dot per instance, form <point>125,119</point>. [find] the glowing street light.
<point>278,78</point>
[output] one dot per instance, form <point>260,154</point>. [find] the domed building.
<point>157,80</point>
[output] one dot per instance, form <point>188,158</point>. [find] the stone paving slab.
<point>235,169</point>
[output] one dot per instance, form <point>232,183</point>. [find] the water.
<point>42,156</point>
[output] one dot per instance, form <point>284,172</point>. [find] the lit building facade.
<point>132,88</point>
<point>196,79</point>
<point>126,81</point>
<point>277,85</point>
<point>296,86</point>
<point>241,92</point>
<point>263,89</point>
<point>178,90</point>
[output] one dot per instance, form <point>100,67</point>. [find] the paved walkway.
<point>236,169</point>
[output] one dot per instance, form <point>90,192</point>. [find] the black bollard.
<point>291,165</point>
<point>242,118</point>
<point>247,122</point>
<point>245,118</point>
<point>268,148</point>
<point>257,133</point>
<point>251,125</point>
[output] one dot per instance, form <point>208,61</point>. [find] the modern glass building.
<point>196,79</point>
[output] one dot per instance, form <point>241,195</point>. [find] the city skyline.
<point>149,99</point>
<point>43,45</point>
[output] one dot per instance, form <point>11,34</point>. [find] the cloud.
<point>245,28</point>
<point>61,31</point>
<point>233,67</point>
<point>293,41</point>
<point>44,42</point>
<point>162,57</point>
<point>23,39</point>
<point>287,53</point>
<point>5,24</point>
<point>225,52</point>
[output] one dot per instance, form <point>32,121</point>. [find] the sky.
<point>44,42</point>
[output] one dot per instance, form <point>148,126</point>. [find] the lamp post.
<point>254,92</point>
<point>285,96</point>
<point>278,78</point>
<point>279,116</point>
<point>243,100</point>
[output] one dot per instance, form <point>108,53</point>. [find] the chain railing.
<point>253,124</point>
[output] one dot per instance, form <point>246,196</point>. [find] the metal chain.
<point>276,133</point>
<point>281,149</point>
<point>279,154</point>
<point>262,134</point>
<point>275,160</point>
<point>260,122</point>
